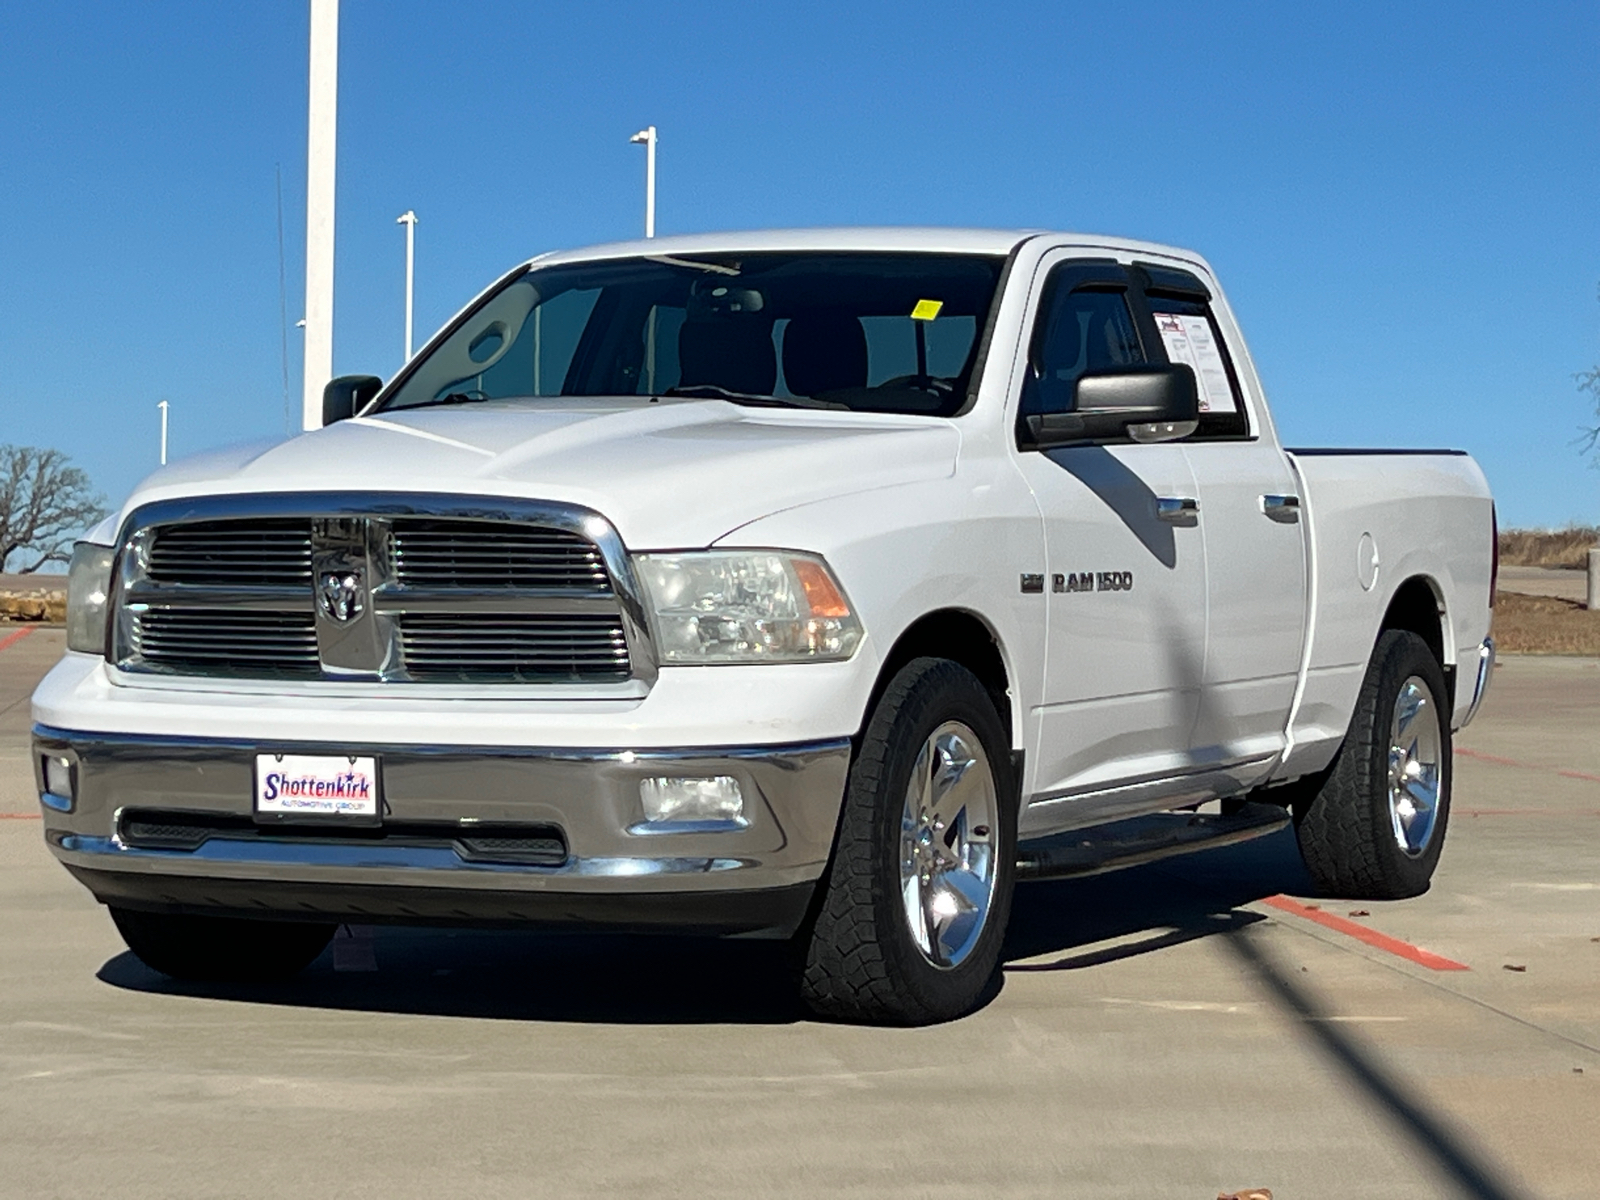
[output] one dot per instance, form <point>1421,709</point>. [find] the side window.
<point>1079,329</point>
<point>659,368</point>
<point>892,346</point>
<point>541,349</point>
<point>1181,308</point>
<point>560,324</point>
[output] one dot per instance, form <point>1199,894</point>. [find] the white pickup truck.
<point>814,585</point>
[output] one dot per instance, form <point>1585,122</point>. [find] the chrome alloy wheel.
<point>1415,769</point>
<point>947,845</point>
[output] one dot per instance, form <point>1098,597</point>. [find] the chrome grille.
<point>379,588</point>
<point>475,554</point>
<point>227,641</point>
<point>527,647</point>
<point>243,552</point>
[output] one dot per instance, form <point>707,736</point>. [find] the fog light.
<point>58,783</point>
<point>672,803</point>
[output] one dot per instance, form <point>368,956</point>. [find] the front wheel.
<point>1373,827</point>
<point>915,903</point>
<point>221,949</point>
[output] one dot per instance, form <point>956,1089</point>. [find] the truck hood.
<point>668,475</point>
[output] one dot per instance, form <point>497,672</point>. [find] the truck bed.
<point>1378,521</point>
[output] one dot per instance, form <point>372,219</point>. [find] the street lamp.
<point>409,220</point>
<point>647,138</point>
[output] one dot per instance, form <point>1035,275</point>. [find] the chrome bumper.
<point>1481,681</point>
<point>610,875</point>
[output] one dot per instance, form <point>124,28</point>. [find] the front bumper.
<point>756,880</point>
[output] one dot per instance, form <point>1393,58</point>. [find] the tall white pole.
<point>647,136</point>
<point>409,220</point>
<point>650,186</point>
<point>163,407</point>
<point>321,155</point>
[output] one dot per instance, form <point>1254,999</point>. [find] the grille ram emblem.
<point>340,595</point>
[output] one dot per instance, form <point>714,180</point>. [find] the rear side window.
<point>1181,307</point>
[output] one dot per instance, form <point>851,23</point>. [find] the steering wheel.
<point>936,384</point>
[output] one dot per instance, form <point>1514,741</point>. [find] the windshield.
<point>869,332</point>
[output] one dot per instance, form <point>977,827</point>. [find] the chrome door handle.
<point>1283,509</point>
<point>1177,509</point>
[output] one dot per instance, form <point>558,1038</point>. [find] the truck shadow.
<point>1071,925</point>
<point>1147,909</point>
<point>616,979</point>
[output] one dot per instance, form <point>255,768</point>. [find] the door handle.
<point>1283,509</point>
<point>1180,510</point>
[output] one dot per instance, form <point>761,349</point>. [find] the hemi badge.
<point>1032,583</point>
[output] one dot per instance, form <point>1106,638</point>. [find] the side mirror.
<point>345,395</point>
<point>1147,404</point>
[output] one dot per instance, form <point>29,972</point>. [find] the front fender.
<point>904,552</point>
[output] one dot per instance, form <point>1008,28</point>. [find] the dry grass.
<point>1544,625</point>
<point>52,608</point>
<point>1548,547</point>
<point>33,598</point>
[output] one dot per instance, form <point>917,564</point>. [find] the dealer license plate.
<point>338,786</point>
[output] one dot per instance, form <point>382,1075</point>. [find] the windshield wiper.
<point>450,398</point>
<point>711,391</point>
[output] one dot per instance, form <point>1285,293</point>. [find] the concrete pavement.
<point>1545,581</point>
<point>1160,1033</point>
<point>29,651</point>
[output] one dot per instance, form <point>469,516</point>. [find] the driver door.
<point>1125,580</point>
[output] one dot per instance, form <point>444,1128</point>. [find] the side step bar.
<point>1141,840</point>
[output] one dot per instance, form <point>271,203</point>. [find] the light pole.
<point>647,137</point>
<point>409,220</point>
<point>321,156</point>
<point>163,407</point>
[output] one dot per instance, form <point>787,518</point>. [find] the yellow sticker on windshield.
<point>926,310</point>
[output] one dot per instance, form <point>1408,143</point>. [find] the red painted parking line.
<point>1489,758</point>
<point>1480,756</point>
<point>1524,812</point>
<point>1382,941</point>
<point>20,816</point>
<point>13,638</point>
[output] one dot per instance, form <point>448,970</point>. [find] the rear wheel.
<point>1374,828</point>
<point>914,907</point>
<point>220,949</point>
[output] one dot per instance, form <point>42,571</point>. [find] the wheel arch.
<point>964,637</point>
<point>1418,605</point>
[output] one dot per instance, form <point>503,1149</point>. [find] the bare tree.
<point>44,503</point>
<point>1589,381</point>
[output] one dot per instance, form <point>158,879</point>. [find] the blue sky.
<point>1400,199</point>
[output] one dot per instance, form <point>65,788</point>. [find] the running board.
<point>1141,840</point>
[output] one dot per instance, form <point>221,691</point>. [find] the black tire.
<point>221,949</point>
<point>1342,819</point>
<point>862,960</point>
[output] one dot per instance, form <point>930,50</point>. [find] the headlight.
<point>745,606</point>
<point>88,583</point>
